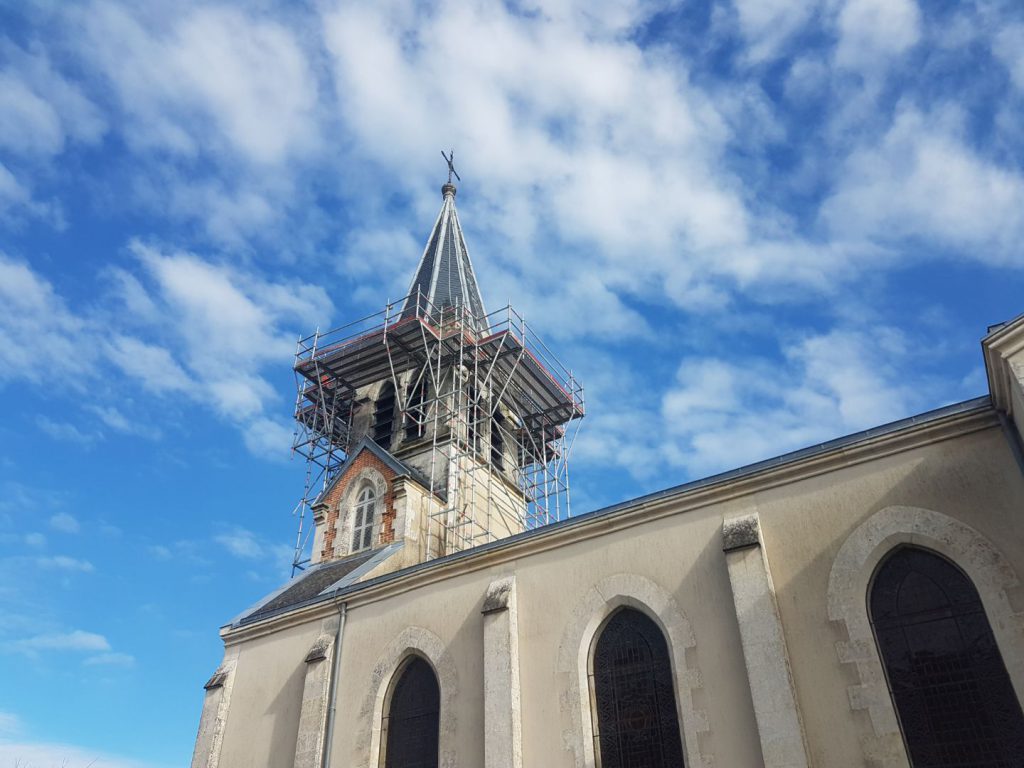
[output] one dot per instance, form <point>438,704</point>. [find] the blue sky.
<point>747,226</point>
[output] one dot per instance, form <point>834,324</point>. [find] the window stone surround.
<point>851,574</point>
<point>413,641</point>
<point>340,516</point>
<point>574,654</point>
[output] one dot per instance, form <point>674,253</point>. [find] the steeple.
<point>444,277</point>
<point>437,430</point>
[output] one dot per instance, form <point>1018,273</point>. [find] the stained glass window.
<point>954,698</point>
<point>413,720</point>
<point>637,725</point>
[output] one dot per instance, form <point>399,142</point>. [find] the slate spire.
<point>444,277</point>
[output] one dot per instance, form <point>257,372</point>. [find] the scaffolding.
<point>483,409</point>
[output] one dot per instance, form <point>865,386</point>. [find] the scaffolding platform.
<point>502,365</point>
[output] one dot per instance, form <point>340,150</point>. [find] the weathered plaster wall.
<point>263,722</point>
<point>562,595</point>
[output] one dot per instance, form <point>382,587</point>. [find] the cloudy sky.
<point>747,225</point>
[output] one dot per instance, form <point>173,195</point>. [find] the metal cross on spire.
<point>450,159</point>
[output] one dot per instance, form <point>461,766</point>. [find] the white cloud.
<point>28,123</point>
<point>177,75</point>
<point>153,365</point>
<point>923,181</point>
<point>131,298</point>
<point>77,640</point>
<point>633,188</point>
<point>1008,46</point>
<point>20,498</point>
<point>64,523</point>
<point>252,76</point>
<point>36,540</point>
<point>40,113</point>
<point>229,325</point>
<point>233,211</point>
<point>246,545</point>
<point>40,110</point>
<point>12,192</point>
<point>871,32</point>
<point>722,414</point>
<point>66,432</point>
<point>36,324</point>
<point>269,438</point>
<point>65,563</point>
<point>808,77</point>
<point>767,25</point>
<point>110,660</point>
<point>204,332</point>
<point>224,312</point>
<point>118,421</point>
<point>241,543</point>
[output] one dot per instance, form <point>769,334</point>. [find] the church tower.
<point>431,426</point>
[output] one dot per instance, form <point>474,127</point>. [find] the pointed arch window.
<point>954,699</point>
<point>412,722</point>
<point>634,696</point>
<point>384,415</point>
<point>363,515</point>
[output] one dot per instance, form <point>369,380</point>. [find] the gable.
<point>366,453</point>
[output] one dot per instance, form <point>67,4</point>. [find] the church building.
<point>855,603</point>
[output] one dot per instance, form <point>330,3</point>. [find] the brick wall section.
<point>333,525</point>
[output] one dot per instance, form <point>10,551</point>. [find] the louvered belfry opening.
<point>637,721</point>
<point>384,415</point>
<point>415,413</point>
<point>955,701</point>
<point>497,441</point>
<point>413,718</point>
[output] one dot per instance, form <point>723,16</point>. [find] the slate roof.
<point>445,276</point>
<point>314,581</point>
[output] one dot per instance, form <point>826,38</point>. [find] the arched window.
<point>384,415</point>
<point>955,702</point>
<point>362,518</point>
<point>412,722</point>
<point>637,724</point>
